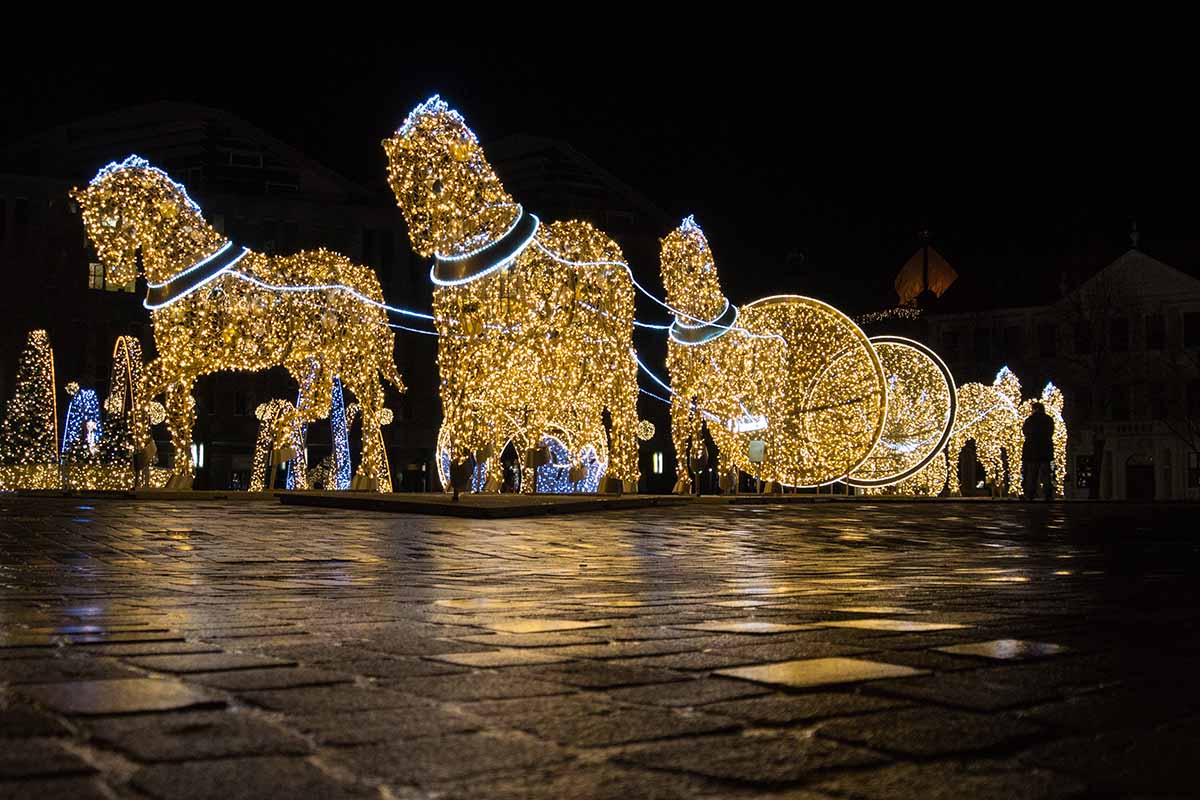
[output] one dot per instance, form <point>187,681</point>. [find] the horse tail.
<point>389,373</point>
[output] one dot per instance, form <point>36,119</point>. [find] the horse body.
<point>786,370</point>
<point>535,320</point>
<point>215,307</point>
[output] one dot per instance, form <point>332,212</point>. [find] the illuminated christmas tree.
<point>29,433</point>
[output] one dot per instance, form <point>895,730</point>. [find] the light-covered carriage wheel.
<point>821,393</point>
<point>921,407</point>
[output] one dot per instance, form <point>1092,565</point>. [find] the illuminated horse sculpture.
<point>790,372</point>
<point>990,415</point>
<point>216,306</point>
<point>535,320</point>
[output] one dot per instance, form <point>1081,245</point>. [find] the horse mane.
<point>134,161</point>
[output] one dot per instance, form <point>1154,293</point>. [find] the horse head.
<point>1052,399</point>
<point>1009,386</point>
<point>131,206</point>
<point>449,194</point>
<point>689,274</point>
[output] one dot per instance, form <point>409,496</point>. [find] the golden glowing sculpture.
<point>279,442</point>
<point>216,306</point>
<point>29,457</point>
<point>921,403</point>
<point>535,319</point>
<point>353,412</point>
<point>1052,399</point>
<point>788,371</point>
<point>990,416</point>
<point>125,383</point>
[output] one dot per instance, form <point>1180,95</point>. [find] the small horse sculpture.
<point>789,372</point>
<point>991,417</point>
<point>215,306</point>
<point>535,320</point>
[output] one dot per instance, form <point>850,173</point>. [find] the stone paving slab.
<point>194,735</point>
<point>508,506</point>
<point>118,696</point>
<point>707,650</point>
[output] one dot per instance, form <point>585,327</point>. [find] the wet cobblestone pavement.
<point>236,650</point>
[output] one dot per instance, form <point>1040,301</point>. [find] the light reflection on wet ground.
<point>587,649</point>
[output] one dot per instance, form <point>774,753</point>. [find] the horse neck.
<point>699,301</point>
<point>167,253</point>
<point>485,220</point>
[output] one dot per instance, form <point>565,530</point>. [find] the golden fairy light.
<point>535,319</point>
<point>921,403</point>
<point>279,442</point>
<point>1052,399</point>
<point>989,415</point>
<point>790,374</point>
<point>216,306</point>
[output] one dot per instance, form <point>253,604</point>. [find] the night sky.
<point>810,170</point>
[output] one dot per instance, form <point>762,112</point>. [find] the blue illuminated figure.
<point>340,479</point>
<point>83,422</point>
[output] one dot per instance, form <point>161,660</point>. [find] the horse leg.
<point>373,471</point>
<point>685,428</point>
<point>181,416</point>
<point>494,480</point>
<point>151,383</point>
<point>310,379</point>
<point>623,447</point>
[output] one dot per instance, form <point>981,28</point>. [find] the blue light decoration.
<point>84,408</point>
<point>341,440</point>
<point>555,476</point>
<point>478,477</point>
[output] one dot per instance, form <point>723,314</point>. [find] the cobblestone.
<point>232,649</point>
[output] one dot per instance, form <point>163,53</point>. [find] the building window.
<point>20,223</point>
<point>1193,470</point>
<point>98,279</point>
<point>950,345</point>
<point>1119,402</point>
<point>1085,471</point>
<point>658,463</point>
<point>1014,342</point>
<point>1083,402</point>
<point>1191,329</point>
<point>1083,338</point>
<point>1157,395</point>
<point>1047,340</point>
<point>1192,400</point>
<point>983,345</point>
<point>1156,331</point>
<point>1118,334</point>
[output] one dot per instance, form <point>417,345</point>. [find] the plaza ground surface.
<point>240,649</point>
